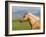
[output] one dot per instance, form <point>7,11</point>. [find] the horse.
<point>33,20</point>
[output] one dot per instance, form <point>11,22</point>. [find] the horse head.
<point>26,17</point>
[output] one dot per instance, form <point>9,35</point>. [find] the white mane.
<point>37,18</point>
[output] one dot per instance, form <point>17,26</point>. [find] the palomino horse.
<point>33,20</point>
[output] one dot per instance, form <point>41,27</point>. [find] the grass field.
<point>16,25</point>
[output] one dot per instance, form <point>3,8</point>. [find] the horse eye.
<point>23,16</point>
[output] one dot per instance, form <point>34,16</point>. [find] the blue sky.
<point>19,11</point>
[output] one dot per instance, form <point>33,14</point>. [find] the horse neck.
<point>32,19</point>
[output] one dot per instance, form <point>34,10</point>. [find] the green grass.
<point>16,25</point>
